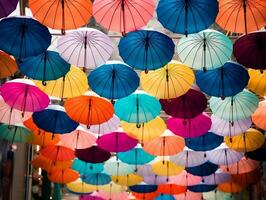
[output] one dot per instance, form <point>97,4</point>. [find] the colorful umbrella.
<point>80,187</point>
<point>194,127</point>
<point>170,81</point>
<point>216,178</point>
<point>200,188</point>
<point>156,180</point>
<point>249,178</point>
<point>146,196</point>
<point>185,179</point>
<point>27,96</point>
<point>90,197</point>
<point>113,80</point>
<point>223,82</point>
<point>241,16</point>
<point>143,188</point>
<point>7,7</point>
<point>15,133</point>
<point>43,138</point>
<point>86,168</point>
<point>112,188</point>
<point>258,154</point>
<point>57,153</point>
<point>145,170</point>
<point>205,169</point>
<point>85,47</point>
<point>114,196</point>
<point>7,63</point>
<point>123,16</point>
<point>93,154</point>
<point>45,66</point>
<point>97,179</point>
<point>257,81</point>
<point>206,50</point>
<point>165,197</point>
<point>187,17</point>
<point>137,108</point>
<point>189,158</point>
<point>258,117</point>
<point>188,196</point>
<point>146,49</point>
<point>127,180</point>
<point>251,46</point>
<point>186,106</point>
<point>166,168</point>
<point>238,107</point>
<point>171,189</point>
<point>231,187</point>
<point>62,15</point>
<point>117,168</point>
<point>73,84</point>
<point>28,38</point>
<point>216,194</point>
<point>63,176</point>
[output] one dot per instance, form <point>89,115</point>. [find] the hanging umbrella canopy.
<point>63,176</point>
<point>137,108</point>
<point>80,187</point>
<point>28,97</point>
<point>156,180</point>
<point>7,7</point>
<point>231,187</point>
<point>85,47</point>
<point>143,188</point>
<point>127,180</point>
<point>86,168</point>
<point>258,117</point>
<point>43,138</point>
<point>249,49</point>
<point>238,107</point>
<point>251,140</point>
<point>115,167</point>
<point>171,189</point>
<point>216,194</point>
<point>62,15</point>
<point>200,188</point>
<point>166,168</point>
<point>146,49</point>
<point>113,80</point>
<point>205,169</point>
<point>112,188</point>
<point>93,154</point>
<point>146,196</point>
<point>258,154</point>
<point>194,127</point>
<point>8,65</point>
<point>14,133</point>
<point>165,197</point>
<point>216,178</point>
<point>114,196</point>
<point>145,170</point>
<point>186,106</point>
<point>206,50</point>
<point>241,16</point>
<point>187,17</point>
<point>123,16</point>
<point>189,158</point>
<point>257,81</point>
<point>188,195</point>
<point>249,178</point>
<point>45,66</point>
<point>28,38</point>
<point>97,179</point>
<point>185,179</point>
<point>223,82</point>
<point>73,84</point>
<point>57,153</point>
<point>148,131</point>
<point>170,81</point>
<point>90,197</point>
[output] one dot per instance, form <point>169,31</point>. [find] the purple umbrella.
<point>156,180</point>
<point>145,170</point>
<point>7,7</point>
<point>216,178</point>
<point>93,154</point>
<point>189,158</point>
<point>194,127</point>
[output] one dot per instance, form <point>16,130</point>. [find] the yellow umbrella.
<point>80,187</point>
<point>259,115</point>
<point>127,180</point>
<point>257,81</point>
<point>112,188</point>
<point>73,84</point>
<point>173,80</point>
<point>147,131</point>
<point>166,168</point>
<point>251,140</point>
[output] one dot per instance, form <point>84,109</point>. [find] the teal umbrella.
<point>15,133</point>
<point>57,193</point>
<point>86,168</point>
<point>97,179</point>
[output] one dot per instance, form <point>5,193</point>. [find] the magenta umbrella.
<point>90,197</point>
<point>216,178</point>
<point>23,95</point>
<point>116,142</point>
<point>189,158</point>
<point>194,127</point>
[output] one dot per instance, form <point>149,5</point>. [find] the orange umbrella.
<point>171,189</point>
<point>231,187</point>
<point>58,153</point>
<point>89,110</point>
<point>247,178</point>
<point>257,81</point>
<point>259,116</point>
<point>245,165</point>
<point>63,175</point>
<point>145,196</point>
<point>43,138</point>
<point>8,65</point>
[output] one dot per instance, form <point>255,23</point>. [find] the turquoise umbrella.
<point>165,197</point>
<point>97,179</point>
<point>15,133</point>
<point>86,168</point>
<point>137,108</point>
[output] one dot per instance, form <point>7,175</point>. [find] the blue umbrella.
<point>46,66</point>
<point>23,37</point>
<point>205,169</point>
<point>186,16</point>
<point>146,50</point>
<point>165,197</point>
<point>86,168</point>
<point>54,120</point>
<point>223,81</point>
<point>113,80</point>
<point>143,188</point>
<point>97,179</point>
<point>202,188</point>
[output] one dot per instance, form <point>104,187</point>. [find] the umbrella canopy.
<point>80,187</point>
<point>258,117</point>
<point>15,133</point>
<point>123,16</point>
<point>28,97</point>
<point>145,170</point>
<point>205,169</point>
<point>127,180</point>
<point>231,187</point>
<point>186,106</point>
<point>251,140</point>
<point>186,17</point>
<point>93,154</point>
<point>113,80</point>
<point>7,63</point>
<point>97,179</point>
<point>170,81</point>
<point>206,50</point>
<point>115,167</point>
<point>202,188</point>
<point>116,142</point>
<point>86,168</point>
<point>63,176</point>
<point>7,7</point>
<point>194,127</point>
<point>112,188</point>
<point>146,196</point>
<point>57,153</point>
<point>137,108</point>
<point>43,138</point>
<point>156,180</point>
<point>216,178</point>
<point>114,196</point>
<point>85,47</point>
<point>258,154</point>
<point>45,66</point>
<point>62,15</point>
<point>216,194</point>
<point>189,158</point>
<point>185,179</point>
<point>73,84</point>
<point>253,47</point>
<point>223,82</point>
<point>238,107</point>
<point>249,178</point>
<point>90,197</point>
<point>143,188</point>
<point>166,168</point>
<point>89,110</point>
<point>241,16</point>
<point>171,189</point>
<point>257,81</point>
<point>188,195</point>
<point>29,37</point>
<point>146,49</point>
<point>164,197</point>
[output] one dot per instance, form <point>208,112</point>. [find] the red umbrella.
<point>93,154</point>
<point>58,153</point>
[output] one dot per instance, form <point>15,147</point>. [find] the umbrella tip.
<point>138,125</point>
<point>204,69</point>
<point>112,101</point>
<point>231,140</point>
<point>44,83</point>
<point>146,71</point>
<point>223,97</point>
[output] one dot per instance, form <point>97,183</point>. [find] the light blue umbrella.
<point>115,167</point>
<point>165,197</point>
<point>97,179</point>
<point>86,168</point>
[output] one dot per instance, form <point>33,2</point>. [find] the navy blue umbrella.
<point>202,188</point>
<point>23,37</point>
<point>205,169</point>
<point>143,188</point>
<point>146,50</point>
<point>224,81</point>
<point>186,16</point>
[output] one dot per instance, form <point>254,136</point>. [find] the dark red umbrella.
<point>93,154</point>
<point>186,106</point>
<point>250,50</point>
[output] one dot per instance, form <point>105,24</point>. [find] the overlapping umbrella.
<point>189,158</point>
<point>14,133</point>
<point>257,81</point>
<point>8,65</point>
<point>93,154</point>
<point>259,115</point>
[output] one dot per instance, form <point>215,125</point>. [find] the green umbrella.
<point>57,193</point>
<point>15,133</point>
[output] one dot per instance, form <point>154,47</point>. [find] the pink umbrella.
<point>156,180</point>
<point>188,196</point>
<point>185,179</point>
<point>216,178</point>
<point>189,158</point>
<point>116,142</point>
<point>23,95</point>
<point>192,127</point>
<point>90,197</point>
<point>113,196</point>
